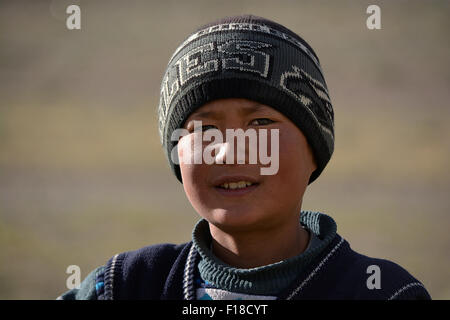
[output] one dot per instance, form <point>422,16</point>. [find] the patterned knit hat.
<point>253,58</point>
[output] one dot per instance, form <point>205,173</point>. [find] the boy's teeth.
<point>236,185</point>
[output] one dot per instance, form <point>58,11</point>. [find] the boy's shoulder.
<point>126,273</point>
<point>358,276</point>
<point>145,273</point>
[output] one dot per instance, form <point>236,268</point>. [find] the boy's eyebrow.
<point>253,108</point>
<point>217,114</point>
<point>207,114</point>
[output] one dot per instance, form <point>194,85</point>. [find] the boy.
<point>254,242</point>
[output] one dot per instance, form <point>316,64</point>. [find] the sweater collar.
<point>269,279</point>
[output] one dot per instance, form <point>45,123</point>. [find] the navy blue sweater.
<point>166,271</point>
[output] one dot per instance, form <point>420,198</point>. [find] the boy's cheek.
<point>194,175</point>
<point>186,150</point>
<point>193,184</point>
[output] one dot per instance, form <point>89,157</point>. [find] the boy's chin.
<point>234,218</point>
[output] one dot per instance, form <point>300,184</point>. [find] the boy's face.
<point>271,199</point>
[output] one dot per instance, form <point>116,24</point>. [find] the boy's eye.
<point>261,121</point>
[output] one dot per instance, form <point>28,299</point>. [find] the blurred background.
<point>83,176</point>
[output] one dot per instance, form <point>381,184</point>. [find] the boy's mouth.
<point>235,185</point>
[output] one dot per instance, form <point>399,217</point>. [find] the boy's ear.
<point>313,158</point>
<point>314,165</point>
<point>313,168</point>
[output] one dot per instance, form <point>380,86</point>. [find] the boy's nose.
<point>229,154</point>
<point>221,152</point>
<point>235,152</point>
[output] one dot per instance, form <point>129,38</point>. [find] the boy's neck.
<point>261,247</point>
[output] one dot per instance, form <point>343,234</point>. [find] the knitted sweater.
<point>168,271</point>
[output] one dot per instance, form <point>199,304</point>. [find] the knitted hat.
<point>253,58</point>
